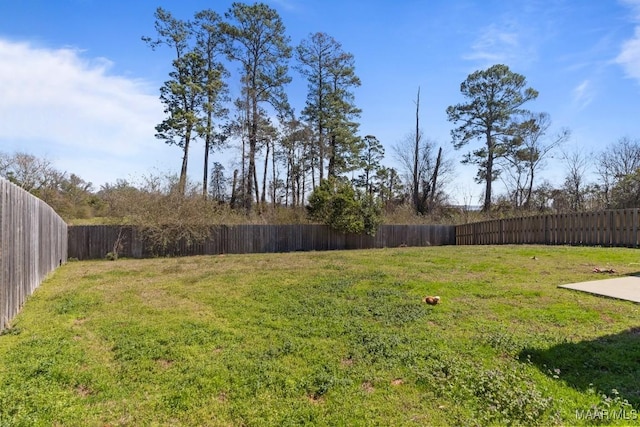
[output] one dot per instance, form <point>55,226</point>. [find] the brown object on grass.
<point>431,300</point>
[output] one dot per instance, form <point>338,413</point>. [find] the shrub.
<point>337,204</point>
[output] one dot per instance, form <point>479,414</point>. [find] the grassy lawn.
<point>335,338</point>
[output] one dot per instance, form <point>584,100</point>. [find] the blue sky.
<point>78,85</point>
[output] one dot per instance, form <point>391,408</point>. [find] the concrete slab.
<point>624,288</point>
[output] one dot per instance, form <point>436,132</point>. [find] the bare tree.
<point>575,183</point>
<point>415,179</point>
<point>527,156</point>
<point>615,162</point>
<point>26,170</point>
<point>427,166</point>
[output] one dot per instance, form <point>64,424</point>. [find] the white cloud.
<point>629,56</point>
<point>494,46</point>
<point>59,103</point>
<point>506,43</point>
<point>634,5</point>
<point>583,94</point>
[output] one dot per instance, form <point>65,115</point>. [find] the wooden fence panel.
<point>95,241</point>
<point>605,228</point>
<point>33,242</point>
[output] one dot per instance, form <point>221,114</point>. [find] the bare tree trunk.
<point>205,177</point>
<point>255,183</point>
<point>234,189</point>
<point>253,142</point>
<point>243,176</point>
<point>434,180</point>
<point>288,180</point>
<point>486,207</point>
<point>416,155</point>
<point>182,183</point>
<point>321,153</point>
<point>273,175</point>
<point>527,200</point>
<point>304,190</point>
<point>332,159</point>
<point>263,197</point>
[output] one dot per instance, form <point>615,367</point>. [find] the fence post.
<point>635,228</point>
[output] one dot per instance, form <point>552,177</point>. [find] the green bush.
<point>337,204</point>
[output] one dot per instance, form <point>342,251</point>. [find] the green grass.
<point>334,338</point>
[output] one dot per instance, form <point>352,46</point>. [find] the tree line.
<point>296,151</point>
<point>318,158</point>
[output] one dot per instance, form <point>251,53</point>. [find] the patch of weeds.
<point>10,330</point>
<point>251,378</point>
<point>505,395</point>
<point>334,266</point>
<point>508,396</point>
<point>445,375</point>
<point>334,287</point>
<point>375,276</point>
<point>323,379</point>
<point>284,349</point>
<point>397,314</point>
<point>384,294</point>
<point>612,404</point>
<point>317,307</point>
<point>194,333</point>
<point>137,343</point>
<point>393,307</point>
<point>75,302</point>
<point>376,347</point>
<point>502,342</point>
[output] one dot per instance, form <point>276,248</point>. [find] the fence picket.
<point>606,228</point>
<point>95,241</point>
<point>33,242</point>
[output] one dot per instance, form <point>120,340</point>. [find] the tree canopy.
<point>494,99</point>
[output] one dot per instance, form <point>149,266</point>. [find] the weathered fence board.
<point>33,242</point>
<point>95,241</point>
<point>605,228</point>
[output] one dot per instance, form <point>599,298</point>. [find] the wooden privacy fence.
<point>33,242</point>
<point>95,241</point>
<point>605,228</point>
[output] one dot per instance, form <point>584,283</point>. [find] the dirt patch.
<point>164,363</point>
<point>316,400</point>
<point>368,387</point>
<point>606,318</point>
<point>397,382</point>
<point>346,362</point>
<point>83,390</point>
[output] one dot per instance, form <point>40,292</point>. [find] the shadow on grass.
<point>610,362</point>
